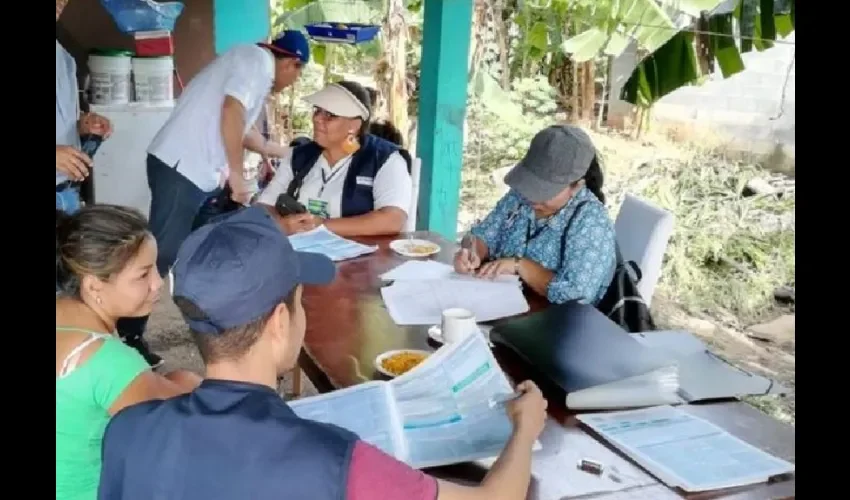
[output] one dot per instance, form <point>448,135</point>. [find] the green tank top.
<point>84,394</point>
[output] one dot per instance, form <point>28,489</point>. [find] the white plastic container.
<point>109,79</point>
<point>154,79</point>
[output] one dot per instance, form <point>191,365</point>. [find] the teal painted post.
<point>240,21</point>
<point>442,109</point>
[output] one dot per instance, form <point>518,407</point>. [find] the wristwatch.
<point>517,260</point>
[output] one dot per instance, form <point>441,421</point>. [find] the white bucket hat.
<point>337,100</point>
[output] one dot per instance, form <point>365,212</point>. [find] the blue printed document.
<point>438,413</point>
<point>684,451</point>
<point>321,240</point>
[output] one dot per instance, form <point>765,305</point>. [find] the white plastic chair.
<point>415,168</point>
<point>643,232</point>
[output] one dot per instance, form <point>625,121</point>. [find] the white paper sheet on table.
<point>414,302</point>
<point>437,414</point>
<point>321,240</point>
<point>424,270</point>
<point>556,474</point>
<point>685,451</point>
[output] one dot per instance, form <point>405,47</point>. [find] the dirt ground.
<point>169,337</point>
<point>767,349</point>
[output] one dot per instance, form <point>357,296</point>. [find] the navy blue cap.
<point>290,43</point>
<point>239,268</point>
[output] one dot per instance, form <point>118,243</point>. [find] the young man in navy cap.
<point>203,143</point>
<point>238,284</point>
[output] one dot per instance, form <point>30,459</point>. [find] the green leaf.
<point>723,45</point>
<point>768,26</point>
<point>648,23</point>
<point>672,66</point>
<point>318,53</point>
<point>692,7</point>
<point>617,43</point>
<point>584,46</point>
<point>537,40</point>
<point>784,25</point>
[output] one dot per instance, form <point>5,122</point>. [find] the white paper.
<point>423,302</point>
<point>555,470</point>
<point>685,451</point>
<point>321,240</point>
<point>444,405</point>
<point>436,414</point>
<point>425,270</point>
<point>364,409</point>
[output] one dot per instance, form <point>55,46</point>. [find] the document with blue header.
<point>438,413</point>
<point>322,240</point>
<point>684,451</point>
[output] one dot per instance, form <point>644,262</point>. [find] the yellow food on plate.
<point>402,362</point>
<point>421,249</point>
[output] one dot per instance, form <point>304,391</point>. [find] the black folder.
<point>594,361</point>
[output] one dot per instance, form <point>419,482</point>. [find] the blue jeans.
<point>68,200</point>
<point>175,205</point>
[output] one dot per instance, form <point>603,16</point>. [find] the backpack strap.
<point>567,230</point>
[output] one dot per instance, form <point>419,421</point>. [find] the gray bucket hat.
<point>558,156</point>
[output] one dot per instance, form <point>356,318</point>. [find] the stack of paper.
<point>685,451</point>
<point>411,302</point>
<point>322,241</point>
<point>424,270</point>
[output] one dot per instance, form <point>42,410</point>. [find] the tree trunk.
<point>391,73</point>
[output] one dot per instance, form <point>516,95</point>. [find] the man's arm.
<point>232,130</point>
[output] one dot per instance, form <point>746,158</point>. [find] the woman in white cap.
<point>551,229</point>
<point>353,182</point>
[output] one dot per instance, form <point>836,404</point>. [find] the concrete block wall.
<point>754,110</point>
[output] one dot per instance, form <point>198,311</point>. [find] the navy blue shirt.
<point>225,440</point>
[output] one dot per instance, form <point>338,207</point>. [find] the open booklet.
<point>685,451</point>
<point>437,414</point>
<point>323,241</point>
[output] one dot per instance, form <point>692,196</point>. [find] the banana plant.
<point>677,62</point>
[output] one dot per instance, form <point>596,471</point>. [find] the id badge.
<point>319,208</point>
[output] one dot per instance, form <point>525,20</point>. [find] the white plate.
<point>402,247</point>
<point>387,354</point>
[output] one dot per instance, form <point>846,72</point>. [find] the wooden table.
<point>348,326</point>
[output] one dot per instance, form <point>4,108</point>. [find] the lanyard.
<point>326,179</point>
<point>532,234</point>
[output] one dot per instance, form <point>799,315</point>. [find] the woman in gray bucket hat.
<point>551,229</point>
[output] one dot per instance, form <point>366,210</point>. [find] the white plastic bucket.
<point>153,77</point>
<point>109,79</point>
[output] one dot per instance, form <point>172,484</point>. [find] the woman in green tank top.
<point>105,270</point>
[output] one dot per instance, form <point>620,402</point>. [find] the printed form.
<point>685,451</point>
<point>437,414</point>
<point>321,240</point>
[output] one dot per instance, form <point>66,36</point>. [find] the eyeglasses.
<point>323,114</point>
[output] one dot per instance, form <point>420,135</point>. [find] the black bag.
<point>622,302</point>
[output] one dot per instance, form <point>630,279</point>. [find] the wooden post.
<point>442,111</point>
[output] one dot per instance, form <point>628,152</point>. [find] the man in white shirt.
<point>203,143</point>
<point>72,164</point>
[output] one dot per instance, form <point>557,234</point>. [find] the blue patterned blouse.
<point>582,269</point>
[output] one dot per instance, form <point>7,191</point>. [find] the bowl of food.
<point>398,362</point>
<point>415,247</point>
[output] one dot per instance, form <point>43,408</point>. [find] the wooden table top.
<point>348,326</point>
